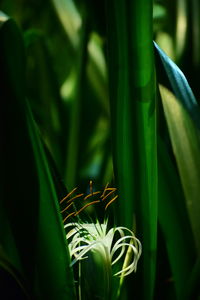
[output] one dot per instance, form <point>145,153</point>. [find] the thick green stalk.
<point>132,100</point>
<point>120,107</point>
<point>144,119</point>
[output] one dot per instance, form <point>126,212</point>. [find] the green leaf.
<point>186,146</point>
<point>31,230</point>
<point>172,77</point>
<point>133,113</point>
<point>183,120</point>
<point>44,94</point>
<point>191,289</point>
<point>174,221</point>
<point>11,282</point>
<point>70,19</point>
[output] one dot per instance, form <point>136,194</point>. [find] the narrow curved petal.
<point>131,267</point>
<point>86,237</point>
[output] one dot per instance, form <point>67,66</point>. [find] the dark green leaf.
<point>31,231</point>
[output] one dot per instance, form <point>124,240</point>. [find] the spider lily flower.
<point>105,255</point>
<point>97,239</point>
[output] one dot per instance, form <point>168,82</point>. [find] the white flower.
<point>83,238</point>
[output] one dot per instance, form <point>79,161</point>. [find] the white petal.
<point>84,251</point>
<point>131,267</point>
<point>121,232</point>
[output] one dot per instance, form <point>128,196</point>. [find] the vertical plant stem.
<point>132,101</point>
<point>79,280</point>
<point>120,107</point>
<point>143,100</point>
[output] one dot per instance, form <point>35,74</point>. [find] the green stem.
<point>132,102</point>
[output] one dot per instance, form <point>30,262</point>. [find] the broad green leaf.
<point>174,221</point>
<point>31,231</point>
<point>186,146</point>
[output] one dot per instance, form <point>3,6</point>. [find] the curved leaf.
<point>186,146</point>
<point>177,83</point>
<point>31,231</point>
<point>174,221</point>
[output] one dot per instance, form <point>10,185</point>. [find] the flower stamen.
<point>112,190</point>
<point>70,215</point>
<point>111,201</point>
<point>75,197</point>
<point>86,205</point>
<point>105,189</point>
<point>68,195</point>
<point>66,208</point>
<point>103,196</point>
<point>91,187</point>
<point>90,195</point>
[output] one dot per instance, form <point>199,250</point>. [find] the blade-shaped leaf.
<point>176,81</point>
<point>31,231</point>
<point>186,146</point>
<point>132,102</point>
<point>174,221</point>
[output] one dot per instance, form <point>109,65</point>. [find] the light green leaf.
<point>186,146</point>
